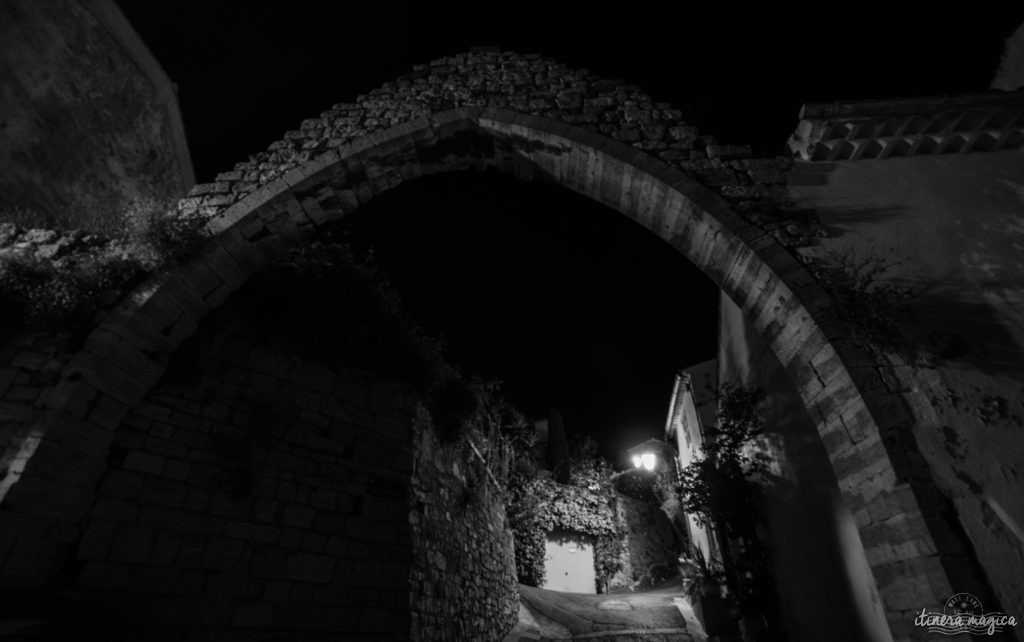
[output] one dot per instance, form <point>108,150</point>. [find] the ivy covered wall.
<point>541,506</point>
<point>634,544</point>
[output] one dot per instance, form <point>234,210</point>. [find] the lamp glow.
<point>637,462</point>
<point>648,460</point>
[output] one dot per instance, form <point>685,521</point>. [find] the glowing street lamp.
<point>647,461</point>
<point>646,455</point>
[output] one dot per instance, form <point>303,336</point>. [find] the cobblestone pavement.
<point>660,614</point>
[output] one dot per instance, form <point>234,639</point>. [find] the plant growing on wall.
<point>720,490</point>
<point>36,292</point>
<point>537,506</point>
<point>587,469</point>
<point>489,443</point>
<point>57,280</point>
<point>653,489</point>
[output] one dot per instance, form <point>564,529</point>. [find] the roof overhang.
<point>907,127</point>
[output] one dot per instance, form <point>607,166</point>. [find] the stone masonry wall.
<point>260,489</point>
<point>463,578</point>
<point>29,365</point>
<point>256,492</point>
<point>533,85</point>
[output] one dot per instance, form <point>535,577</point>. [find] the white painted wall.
<point>952,229</point>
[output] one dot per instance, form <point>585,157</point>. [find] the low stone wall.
<point>463,577</point>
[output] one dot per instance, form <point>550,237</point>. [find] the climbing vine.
<point>542,506</point>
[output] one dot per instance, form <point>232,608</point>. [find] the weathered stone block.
<point>726,152</point>
<point>104,575</point>
<point>96,540</point>
<point>308,567</point>
<point>144,462</point>
<point>324,498</point>
<point>115,510</point>
<point>163,492</point>
<point>298,516</point>
<point>253,615</point>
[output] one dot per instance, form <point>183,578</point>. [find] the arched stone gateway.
<point>639,160</point>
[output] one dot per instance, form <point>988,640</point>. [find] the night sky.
<point>592,319</point>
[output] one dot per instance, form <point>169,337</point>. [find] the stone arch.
<point>128,350</point>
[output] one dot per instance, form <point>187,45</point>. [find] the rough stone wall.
<point>463,577</point>
<point>31,364</point>
<point>650,554</point>
<point>91,122</point>
<point>529,84</point>
<point>260,490</point>
<point>46,245</point>
<point>256,491</point>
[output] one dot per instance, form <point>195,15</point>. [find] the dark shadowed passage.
<point>591,319</point>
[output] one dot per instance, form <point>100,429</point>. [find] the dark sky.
<point>568,303</point>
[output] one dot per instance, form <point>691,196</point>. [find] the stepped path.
<point>659,614</point>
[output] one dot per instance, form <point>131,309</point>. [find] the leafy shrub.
<point>587,469</point>
<point>638,484</point>
<point>496,430</point>
<point>38,293</point>
<point>63,292</point>
<point>718,488</point>
<point>697,571</point>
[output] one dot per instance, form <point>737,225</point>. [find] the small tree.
<point>587,469</point>
<point>720,489</point>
